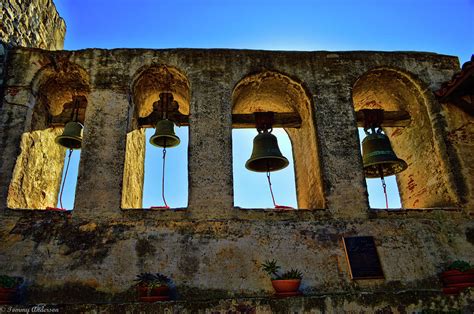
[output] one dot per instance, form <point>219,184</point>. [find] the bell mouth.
<point>389,168</point>
<point>72,136</point>
<point>69,142</point>
<point>164,135</point>
<point>167,141</point>
<point>265,164</point>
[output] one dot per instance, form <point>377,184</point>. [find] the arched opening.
<point>157,90</point>
<point>293,111</point>
<point>375,189</point>
<point>59,95</point>
<point>407,124</point>
<point>251,189</point>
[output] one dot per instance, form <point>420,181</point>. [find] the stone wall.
<point>3,56</point>
<point>211,249</point>
<point>460,129</point>
<point>31,23</point>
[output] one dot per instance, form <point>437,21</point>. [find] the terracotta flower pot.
<point>454,281</point>
<point>160,291</point>
<point>456,277</point>
<point>143,291</point>
<point>8,296</point>
<point>147,294</point>
<point>286,285</point>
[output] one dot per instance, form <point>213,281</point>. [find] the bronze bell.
<point>72,136</point>
<point>266,155</point>
<point>164,134</point>
<point>378,156</point>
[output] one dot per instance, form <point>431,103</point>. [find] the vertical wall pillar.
<point>341,160</point>
<point>13,114</point>
<point>134,170</point>
<point>210,147</point>
<point>99,185</point>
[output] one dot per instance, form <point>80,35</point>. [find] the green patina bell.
<point>266,155</point>
<point>378,155</point>
<point>72,136</point>
<point>164,135</point>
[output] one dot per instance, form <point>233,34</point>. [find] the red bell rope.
<point>64,179</point>
<point>163,177</point>
<point>270,186</point>
<point>383,185</point>
<point>273,197</point>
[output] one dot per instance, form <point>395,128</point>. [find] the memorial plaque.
<point>363,259</point>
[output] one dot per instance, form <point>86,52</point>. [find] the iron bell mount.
<point>72,134</point>
<point>164,130</point>
<point>164,137</point>
<point>70,139</point>
<point>378,157</point>
<point>266,155</point>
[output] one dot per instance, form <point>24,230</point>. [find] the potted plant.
<point>153,287</point>
<point>285,284</point>
<point>457,276</point>
<point>9,289</point>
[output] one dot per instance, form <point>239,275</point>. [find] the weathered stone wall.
<point>3,56</point>
<point>460,133</point>
<point>38,170</point>
<point>134,170</point>
<point>212,249</point>
<point>31,23</point>
<point>96,261</point>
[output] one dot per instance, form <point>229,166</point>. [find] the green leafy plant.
<point>272,269</point>
<point>152,280</point>
<point>460,265</point>
<point>292,274</point>
<point>10,282</point>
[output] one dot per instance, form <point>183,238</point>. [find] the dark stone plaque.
<point>363,259</point>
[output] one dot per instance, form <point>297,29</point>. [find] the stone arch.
<point>150,81</point>
<point>38,169</point>
<point>146,86</point>
<point>426,182</point>
<point>54,87</point>
<point>279,93</point>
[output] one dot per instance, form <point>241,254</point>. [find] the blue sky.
<point>441,26</point>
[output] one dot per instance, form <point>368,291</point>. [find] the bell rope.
<point>163,177</point>
<point>271,190</point>
<point>384,186</point>
<point>64,179</point>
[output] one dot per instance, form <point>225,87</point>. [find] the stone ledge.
<point>425,213</point>
<point>368,302</point>
<point>186,214</point>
